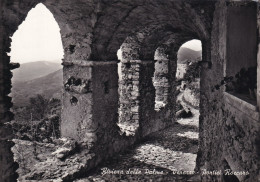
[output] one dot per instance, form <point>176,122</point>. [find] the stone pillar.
<point>161,81</point>
<point>147,97</point>
<point>90,103</point>
<point>162,73</point>
<point>172,67</point>
<point>129,95</point>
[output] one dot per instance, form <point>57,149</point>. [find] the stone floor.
<point>167,155</point>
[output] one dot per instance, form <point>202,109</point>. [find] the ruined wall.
<point>229,127</point>
<point>10,18</point>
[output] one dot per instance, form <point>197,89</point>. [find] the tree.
<point>38,107</point>
<point>192,72</point>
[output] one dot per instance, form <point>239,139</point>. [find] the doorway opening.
<point>36,86</point>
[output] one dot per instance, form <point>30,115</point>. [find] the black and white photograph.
<point>129,91</point>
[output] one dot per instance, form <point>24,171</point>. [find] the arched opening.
<point>188,95</point>
<point>36,86</point>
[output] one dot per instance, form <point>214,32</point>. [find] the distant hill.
<point>188,54</point>
<point>32,70</point>
<point>50,86</point>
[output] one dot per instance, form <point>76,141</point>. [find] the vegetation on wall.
<point>245,82</point>
<point>193,72</point>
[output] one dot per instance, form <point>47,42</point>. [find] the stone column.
<point>163,73</point>
<point>161,78</point>
<point>161,82</point>
<point>90,103</point>
<point>172,67</point>
<point>147,97</point>
<point>129,96</point>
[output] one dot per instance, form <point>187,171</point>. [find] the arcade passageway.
<point>97,105</point>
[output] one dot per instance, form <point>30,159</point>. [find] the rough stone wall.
<point>137,99</point>
<point>130,93</point>
<point>147,97</point>
<point>160,79</point>
<point>142,96</point>
<point>161,83</point>
<point>152,120</point>
<point>213,52</point>
<point>181,70</point>
<point>77,113</point>
<point>228,136</point>
<point>241,129</point>
<point>10,18</point>
<point>241,119</point>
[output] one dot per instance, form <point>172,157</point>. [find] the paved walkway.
<point>157,158</point>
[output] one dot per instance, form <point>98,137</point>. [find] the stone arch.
<point>112,29</point>
<point>38,45</point>
<point>138,50</point>
<point>91,36</point>
<point>12,15</point>
<point>168,51</point>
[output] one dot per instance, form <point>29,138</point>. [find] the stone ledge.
<point>88,63</point>
<point>248,109</point>
<point>138,61</point>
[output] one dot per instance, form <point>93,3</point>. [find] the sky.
<point>37,38</point>
<point>193,44</point>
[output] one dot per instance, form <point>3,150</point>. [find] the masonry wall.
<point>229,127</point>
<point>210,122</point>
<point>161,83</point>
<point>153,119</point>
<point>129,94</point>
<point>138,96</point>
